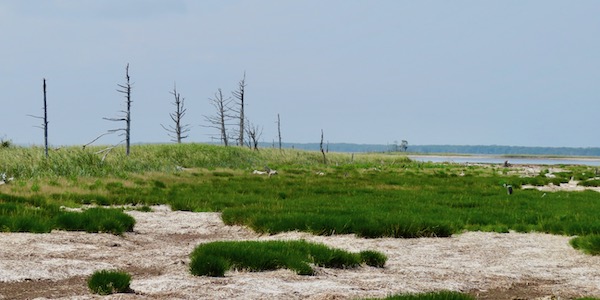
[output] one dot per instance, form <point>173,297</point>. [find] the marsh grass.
<point>370,195</point>
<point>106,282</point>
<point>74,162</point>
<point>37,214</point>
<point>214,259</point>
<point>442,295</point>
<point>589,244</point>
<point>95,219</point>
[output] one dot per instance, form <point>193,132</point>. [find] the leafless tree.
<point>219,121</point>
<point>125,117</point>
<point>254,133</point>
<point>322,150</point>
<point>279,130</point>
<point>178,131</point>
<point>44,119</point>
<point>239,110</point>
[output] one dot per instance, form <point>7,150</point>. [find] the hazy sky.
<point>503,72</point>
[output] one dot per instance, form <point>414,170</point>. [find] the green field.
<point>370,195</point>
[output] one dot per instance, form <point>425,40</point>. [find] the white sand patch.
<point>157,255</point>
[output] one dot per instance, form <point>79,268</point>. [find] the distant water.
<point>500,160</point>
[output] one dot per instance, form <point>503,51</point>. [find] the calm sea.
<point>500,160</point>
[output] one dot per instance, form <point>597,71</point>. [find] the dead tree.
<point>279,130</point>
<point>222,115</point>
<point>239,103</point>
<point>178,131</point>
<point>254,133</point>
<point>322,150</point>
<point>44,119</point>
<point>126,117</point>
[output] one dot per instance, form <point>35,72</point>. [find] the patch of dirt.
<point>487,265</point>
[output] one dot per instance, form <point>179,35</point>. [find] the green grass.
<point>73,162</point>
<point>589,244</point>
<point>106,282</point>
<point>214,259</point>
<point>370,195</point>
<point>443,295</point>
<point>37,214</point>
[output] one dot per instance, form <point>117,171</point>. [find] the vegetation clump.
<point>214,259</point>
<point>37,214</point>
<point>589,244</point>
<point>106,282</point>
<point>96,219</point>
<point>442,295</point>
<point>5,143</point>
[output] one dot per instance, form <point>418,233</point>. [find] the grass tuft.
<point>214,259</point>
<point>96,220</point>
<point>106,282</point>
<point>589,244</point>
<point>373,258</point>
<point>442,295</point>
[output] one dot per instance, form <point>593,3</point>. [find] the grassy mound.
<point>106,282</point>
<point>214,259</point>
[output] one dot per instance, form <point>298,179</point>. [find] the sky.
<point>497,72</point>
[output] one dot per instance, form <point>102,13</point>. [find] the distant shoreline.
<point>513,160</point>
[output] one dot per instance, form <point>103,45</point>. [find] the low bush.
<point>589,244</point>
<point>106,282</point>
<point>214,259</point>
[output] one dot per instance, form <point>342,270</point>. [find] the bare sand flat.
<point>487,265</point>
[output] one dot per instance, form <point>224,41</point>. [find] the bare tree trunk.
<point>239,95</point>
<point>279,130</point>
<point>45,121</point>
<point>177,132</point>
<point>219,121</point>
<point>322,150</point>
<point>126,90</point>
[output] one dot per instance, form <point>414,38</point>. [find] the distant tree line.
<point>451,149</point>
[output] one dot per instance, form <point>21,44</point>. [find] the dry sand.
<point>487,265</point>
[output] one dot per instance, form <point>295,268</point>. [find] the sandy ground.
<point>487,265</point>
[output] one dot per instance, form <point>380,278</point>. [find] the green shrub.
<point>589,244</point>
<point>214,259</point>
<point>106,282</point>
